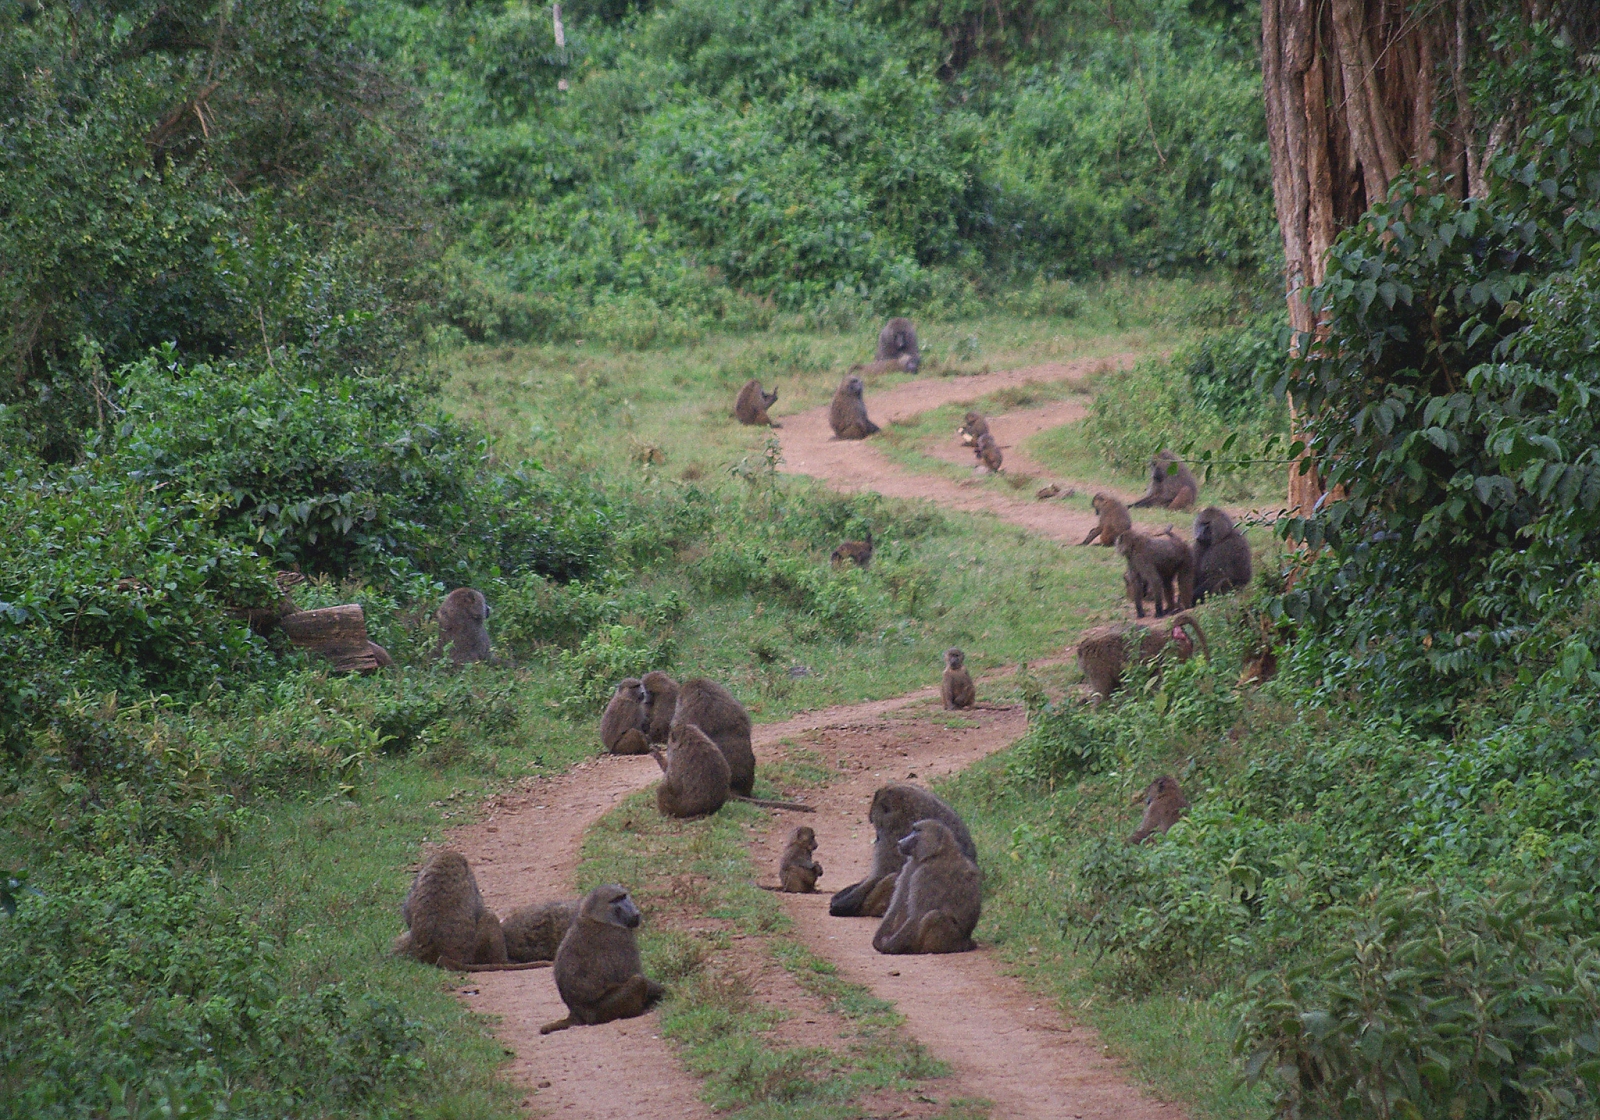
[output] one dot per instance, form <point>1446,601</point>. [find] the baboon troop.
<point>622,727</point>
<point>895,808</point>
<point>1114,520</point>
<point>937,895</point>
<point>1160,567</point>
<point>973,428</point>
<point>447,923</point>
<point>753,402</point>
<point>956,688</point>
<point>858,552</point>
<point>1221,554</point>
<point>534,932</point>
<point>1164,803</point>
<point>1103,650</point>
<point>710,707</point>
<point>847,415</point>
<point>987,452</point>
<point>898,340</point>
<point>659,701</point>
<point>597,968</point>
<point>1172,484</point>
<point>695,774</point>
<point>798,872</point>
<point>461,626</point>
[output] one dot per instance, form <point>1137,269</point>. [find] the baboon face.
<point>954,658</point>
<point>805,836</point>
<point>618,908</point>
<point>973,417</point>
<point>854,386</point>
<point>1211,525</point>
<point>927,838</point>
<point>1161,787</point>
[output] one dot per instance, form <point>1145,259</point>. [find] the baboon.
<point>1160,566</point>
<point>895,808</point>
<point>534,932</point>
<point>898,339</point>
<point>956,688</point>
<point>902,364</point>
<point>1048,490</point>
<point>447,923</point>
<point>859,551</point>
<point>753,402</point>
<point>847,415</point>
<point>1221,554</point>
<point>1163,804</point>
<point>598,971</point>
<point>1114,520</point>
<point>713,709</point>
<point>798,872</point>
<point>1172,484</point>
<point>937,896</point>
<point>973,428</point>
<point>988,453</point>
<point>656,708</point>
<point>622,727</point>
<point>694,774</point>
<point>461,626</point>
<point>1103,650</point>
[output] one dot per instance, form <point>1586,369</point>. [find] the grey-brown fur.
<point>1114,520</point>
<point>1161,566</point>
<point>1221,554</point>
<point>694,778</point>
<point>847,415</point>
<point>898,339</point>
<point>715,711</point>
<point>1172,484</point>
<point>660,700</point>
<point>973,428</point>
<point>956,688</point>
<point>937,899</point>
<point>597,970</point>
<point>798,871</point>
<point>534,932</point>
<point>753,402</point>
<point>895,808</point>
<point>857,552</point>
<point>1164,803</point>
<point>988,453</point>
<point>1103,651</point>
<point>622,727</point>
<point>902,364</point>
<point>462,630</point>
<point>447,923</point>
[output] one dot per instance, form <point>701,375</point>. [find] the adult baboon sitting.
<point>847,415</point>
<point>1164,803</point>
<point>1221,554</point>
<point>895,808</point>
<point>1172,484</point>
<point>598,971</point>
<point>753,402</point>
<point>937,896</point>
<point>898,340</point>
<point>447,923</point>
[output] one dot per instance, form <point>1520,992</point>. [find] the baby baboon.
<point>988,453</point>
<point>598,971</point>
<point>447,923</point>
<point>1221,554</point>
<point>1114,520</point>
<point>859,551</point>
<point>797,871</point>
<point>461,626</point>
<point>713,709</point>
<point>655,710</point>
<point>534,932</point>
<point>898,339</point>
<point>695,774</point>
<point>1103,650</point>
<point>1172,484</point>
<point>623,724</point>
<point>937,896</point>
<point>956,688</point>
<point>753,402</point>
<point>973,428</point>
<point>895,808</point>
<point>847,415</point>
<point>1163,804</point>
<point>1160,566</point>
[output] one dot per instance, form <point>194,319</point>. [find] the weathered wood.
<point>339,634</point>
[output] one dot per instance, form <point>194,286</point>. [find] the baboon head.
<point>927,838</point>
<point>770,398</point>
<point>1211,525</point>
<point>805,836</point>
<point>1161,466</point>
<point>854,385</point>
<point>954,658</point>
<point>613,905</point>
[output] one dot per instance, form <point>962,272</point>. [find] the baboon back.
<point>713,709</point>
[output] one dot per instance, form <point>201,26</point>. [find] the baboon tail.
<point>449,964</point>
<point>558,1025</point>
<point>794,805</point>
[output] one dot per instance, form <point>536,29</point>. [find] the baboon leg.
<point>632,997</point>
<point>876,904</point>
<point>937,933</point>
<point>847,902</point>
<point>902,940</point>
<point>1183,499</point>
<point>1093,533</point>
<point>632,742</point>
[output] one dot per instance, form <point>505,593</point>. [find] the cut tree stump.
<point>340,635</point>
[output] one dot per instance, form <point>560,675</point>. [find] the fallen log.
<point>340,635</point>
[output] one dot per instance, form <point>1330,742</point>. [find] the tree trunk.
<point>339,634</point>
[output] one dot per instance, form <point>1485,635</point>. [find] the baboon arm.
<point>847,903</point>
<point>1148,500</point>
<point>1093,533</point>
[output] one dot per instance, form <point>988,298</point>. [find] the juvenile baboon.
<point>1163,804</point>
<point>937,896</point>
<point>598,971</point>
<point>753,402</point>
<point>847,415</point>
<point>1103,650</point>
<point>1114,520</point>
<point>659,701</point>
<point>902,364</point>
<point>898,339</point>
<point>1048,490</point>
<point>973,428</point>
<point>713,709</point>
<point>461,626</point>
<point>858,551</point>
<point>1172,484</point>
<point>623,725</point>
<point>895,808</point>
<point>988,453</point>
<point>447,923</point>
<point>956,689</point>
<point>534,932</point>
<point>1221,554</point>
<point>798,872</point>
<point>1160,566</point>
<point>694,774</point>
